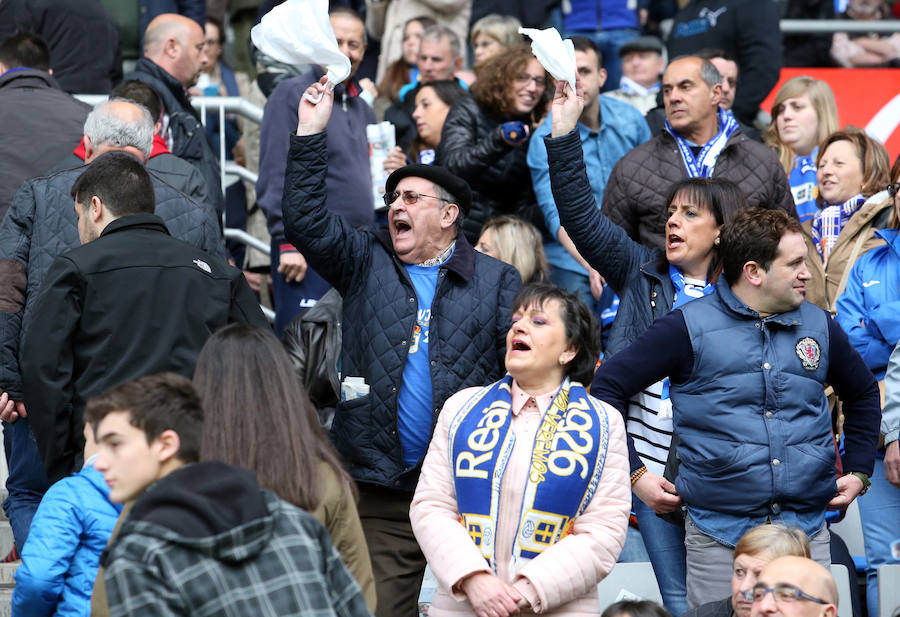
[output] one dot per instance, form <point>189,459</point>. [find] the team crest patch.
<point>809,353</point>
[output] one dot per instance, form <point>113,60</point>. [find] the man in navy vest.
<point>748,365</point>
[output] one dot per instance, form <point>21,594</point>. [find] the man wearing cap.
<point>424,316</point>
<point>642,64</point>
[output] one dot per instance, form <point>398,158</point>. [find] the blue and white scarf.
<point>630,86</point>
<point>567,461</point>
<point>829,222</point>
<point>685,291</point>
<point>703,164</point>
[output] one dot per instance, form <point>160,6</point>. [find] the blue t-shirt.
<point>415,398</point>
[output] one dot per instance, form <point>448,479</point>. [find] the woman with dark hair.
<point>433,103</point>
<point>852,172</point>
<point>650,283</point>
<point>635,608</point>
<point>485,137</point>
<point>258,416</point>
<point>534,468</point>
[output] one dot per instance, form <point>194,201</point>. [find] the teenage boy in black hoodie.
<point>202,539</point>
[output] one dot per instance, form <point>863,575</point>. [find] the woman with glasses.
<point>852,171</point>
<point>485,137</point>
<point>753,552</point>
<point>869,311</point>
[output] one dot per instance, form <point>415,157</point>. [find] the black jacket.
<point>41,225</point>
<point>748,30</point>
<point>471,148</point>
<point>133,302</point>
<point>40,124</point>
<point>470,316</point>
<point>635,196</point>
<point>186,132</point>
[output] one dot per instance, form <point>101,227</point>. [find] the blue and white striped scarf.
<point>703,165</point>
<point>830,221</point>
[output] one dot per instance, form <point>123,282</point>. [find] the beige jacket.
<point>385,20</point>
<point>561,581</point>
<point>337,512</point>
<point>822,289</point>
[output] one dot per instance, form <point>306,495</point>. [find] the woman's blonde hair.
<point>503,28</point>
<point>822,99</point>
<point>773,540</point>
<point>873,158</point>
<point>519,244</point>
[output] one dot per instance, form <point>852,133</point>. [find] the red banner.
<point>866,98</point>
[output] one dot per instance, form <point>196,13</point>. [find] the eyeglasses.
<point>782,595</point>
<point>409,197</point>
<point>524,78</point>
<point>893,189</point>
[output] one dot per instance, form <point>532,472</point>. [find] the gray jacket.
<point>40,123</point>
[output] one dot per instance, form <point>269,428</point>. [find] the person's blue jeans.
<point>879,511</point>
<point>609,42</point>
<point>27,481</point>
<point>665,545</point>
<point>291,299</point>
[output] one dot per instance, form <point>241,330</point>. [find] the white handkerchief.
<point>555,55</point>
<point>299,32</point>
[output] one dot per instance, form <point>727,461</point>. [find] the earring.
<point>717,241</point>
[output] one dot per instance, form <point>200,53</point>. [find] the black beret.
<point>454,185</point>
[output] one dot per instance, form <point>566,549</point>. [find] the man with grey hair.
<point>440,57</point>
<point>700,140</point>
<point>41,225</point>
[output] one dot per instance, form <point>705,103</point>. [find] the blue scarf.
<point>804,186</point>
<point>567,461</point>
<point>703,164</point>
<point>684,293</point>
<point>829,222</point>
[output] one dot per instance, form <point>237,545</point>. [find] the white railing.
<point>824,26</point>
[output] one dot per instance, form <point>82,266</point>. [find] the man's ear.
<point>171,47</point>
<point>449,216</point>
<point>717,93</point>
<point>754,273</point>
<point>88,147</point>
<point>96,209</point>
<point>166,446</point>
<point>457,64</point>
<point>603,75</point>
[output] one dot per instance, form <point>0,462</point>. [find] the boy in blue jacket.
<point>69,532</point>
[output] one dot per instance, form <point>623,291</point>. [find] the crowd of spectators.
<point>557,287</point>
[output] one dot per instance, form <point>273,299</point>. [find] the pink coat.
<point>561,581</point>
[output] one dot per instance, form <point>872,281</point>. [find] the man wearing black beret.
<point>424,316</point>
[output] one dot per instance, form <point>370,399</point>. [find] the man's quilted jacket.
<point>635,197</point>
<point>41,224</point>
<point>470,316</point>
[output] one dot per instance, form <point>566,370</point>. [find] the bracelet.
<point>638,474</point>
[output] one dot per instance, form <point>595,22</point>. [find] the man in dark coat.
<point>41,225</point>
<point>424,316</point>
<point>701,140</point>
<point>40,122</point>
<point>174,57</point>
<point>131,301</point>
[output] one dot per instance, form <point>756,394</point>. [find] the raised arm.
<point>602,243</point>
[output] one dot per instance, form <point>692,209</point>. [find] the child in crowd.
<point>69,532</point>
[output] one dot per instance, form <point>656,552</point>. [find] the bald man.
<point>174,57</point>
<point>794,587</point>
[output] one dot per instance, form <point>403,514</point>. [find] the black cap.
<point>452,184</point>
<point>641,43</point>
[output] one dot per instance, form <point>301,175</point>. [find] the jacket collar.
<point>891,236</point>
<point>174,86</point>
<point>136,221</point>
<point>462,262</point>
<point>28,78</point>
<point>727,296</point>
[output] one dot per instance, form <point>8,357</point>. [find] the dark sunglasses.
<point>409,197</point>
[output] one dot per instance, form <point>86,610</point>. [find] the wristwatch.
<point>864,478</point>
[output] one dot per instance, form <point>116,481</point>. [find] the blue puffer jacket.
<point>869,308</point>
<point>633,270</point>
<point>41,225</point>
<point>60,559</point>
<point>470,316</point>
<point>770,451</point>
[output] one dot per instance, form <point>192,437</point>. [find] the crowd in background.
<point>607,202</point>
